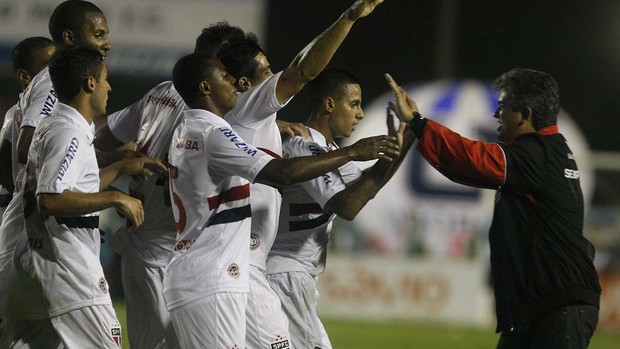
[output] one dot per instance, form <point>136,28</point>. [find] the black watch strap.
<point>417,124</point>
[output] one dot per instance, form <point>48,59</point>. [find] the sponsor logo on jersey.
<point>187,144</point>
<point>115,331</point>
<point>281,344</point>
<point>64,166</point>
<point>103,285</point>
<point>49,103</point>
<point>571,174</point>
<point>234,138</point>
<point>165,101</point>
<point>233,270</point>
<point>254,241</point>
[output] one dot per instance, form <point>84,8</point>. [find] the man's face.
<point>223,91</point>
<point>508,119</point>
<point>100,94</point>
<point>347,111</point>
<point>94,33</point>
<point>263,71</point>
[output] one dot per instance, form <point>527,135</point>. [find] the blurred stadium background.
<point>411,271</point>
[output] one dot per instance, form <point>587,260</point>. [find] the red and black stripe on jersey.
<point>232,214</point>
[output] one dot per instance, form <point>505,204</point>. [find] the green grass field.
<point>410,335</point>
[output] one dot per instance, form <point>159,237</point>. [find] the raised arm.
<point>316,55</point>
<point>284,172</point>
<point>350,201</point>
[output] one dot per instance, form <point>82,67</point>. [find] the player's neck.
<point>321,124</point>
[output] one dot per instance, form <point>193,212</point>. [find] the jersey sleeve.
<point>321,188</point>
<point>256,105</point>
<point>229,155</point>
<point>7,130</point>
<point>42,100</point>
<point>473,163</point>
<point>125,123</point>
<point>64,156</point>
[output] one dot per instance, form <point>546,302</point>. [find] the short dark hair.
<point>214,36</point>
<point>239,56</point>
<point>70,15</point>
<point>188,72</point>
<point>23,53</point>
<point>330,82</point>
<point>534,89</point>
<point>71,66</point>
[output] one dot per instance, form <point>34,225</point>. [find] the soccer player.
<point>72,22</point>
<point>546,287</point>
<point>62,256</point>
<point>263,93</point>
<point>148,125</point>
<point>299,252</point>
<point>30,56</point>
<point>207,279</point>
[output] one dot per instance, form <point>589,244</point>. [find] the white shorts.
<point>298,294</point>
<point>148,322</point>
<point>268,326</point>
<point>92,327</point>
<point>216,321</point>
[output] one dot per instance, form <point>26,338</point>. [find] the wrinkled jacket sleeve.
<point>472,163</point>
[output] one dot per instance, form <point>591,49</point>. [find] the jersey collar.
<point>549,130</point>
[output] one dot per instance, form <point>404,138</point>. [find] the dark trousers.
<point>569,327</point>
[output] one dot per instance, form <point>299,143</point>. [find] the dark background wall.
<point>576,41</point>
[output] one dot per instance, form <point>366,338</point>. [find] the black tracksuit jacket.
<point>540,259</point>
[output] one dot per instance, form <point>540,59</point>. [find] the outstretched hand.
<point>392,131</point>
<point>362,8</point>
<point>377,147</point>
<point>144,167</point>
<point>405,106</point>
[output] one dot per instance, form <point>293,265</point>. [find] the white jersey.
<point>211,197</point>
<point>254,118</point>
<point>37,100</point>
<point>5,134</point>
<point>150,123</point>
<point>10,129</point>
<point>64,251</point>
<point>301,243</point>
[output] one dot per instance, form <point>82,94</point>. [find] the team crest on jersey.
<point>233,270</point>
<point>281,344</point>
<point>103,285</point>
<point>254,241</point>
<point>115,331</point>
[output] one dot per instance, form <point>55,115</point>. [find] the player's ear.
<point>89,84</point>
<point>204,88</point>
<point>328,104</point>
<point>23,76</point>
<point>244,84</point>
<point>67,37</point>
